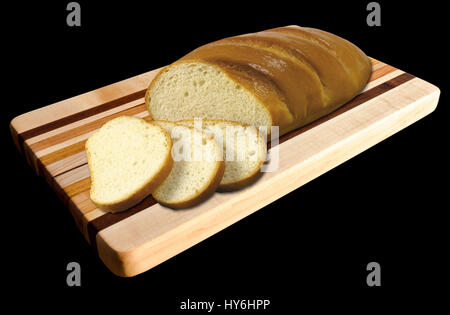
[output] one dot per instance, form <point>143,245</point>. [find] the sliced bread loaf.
<point>286,77</point>
<point>243,147</point>
<point>128,158</point>
<point>197,170</point>
<point>203,90</point>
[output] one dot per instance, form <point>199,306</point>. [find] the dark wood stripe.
<point>78,116</point>
<point>358,100</point>
<point>83,129</point>
<point>78,187</point>
<point>109,219</point>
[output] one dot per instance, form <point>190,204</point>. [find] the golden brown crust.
<point>333,76</point>
<point>202,195</point>
<point>136,197</point>
<point>244,182</point>
<point>288,76</point>
<point>356,64</point>
<point>262,88</point>
<point>210,188</point>
<point>308,72</point>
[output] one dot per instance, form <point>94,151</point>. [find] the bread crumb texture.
<point>244,149</point>
<point>197,170</point>
<point>125,155</point>
<point>202,90</point>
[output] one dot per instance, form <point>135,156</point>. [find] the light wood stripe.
<point>382,79</point>
<point>83,102</point>
<point>83,129</point>
<point>68,163</point>
<point>81,172</point>
<point>63,153</point>
<point>61,164</point>
<point>57,151</point>
<point>93,214</point>
<point>81,115</point>
<point>374,61</point>
<point>85,203</point>
<point>70,177</point>
<point>379,72</point>
<point>109,219</point>
<point>32,152</point>
<point>79,187</point>
<point>60,146</point>
<point>376,66</point>
<point>84,121</point>
<point>76,144</point>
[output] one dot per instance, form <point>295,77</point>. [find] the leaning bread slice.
<point>128,158</point>
<point>197,170</point>
<point>243,147</point>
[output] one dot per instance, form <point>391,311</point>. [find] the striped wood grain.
<point>52,139</point>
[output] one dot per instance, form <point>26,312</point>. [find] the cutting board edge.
<point>133,262</point>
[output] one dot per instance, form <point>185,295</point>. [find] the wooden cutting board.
<point>52,140</point>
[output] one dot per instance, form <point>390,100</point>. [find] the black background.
<point>309,248</point>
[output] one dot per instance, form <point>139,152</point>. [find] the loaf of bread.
<point>243,148</point>
<point>286,77</point>
<point>197,169</point>
<point>128,159</point>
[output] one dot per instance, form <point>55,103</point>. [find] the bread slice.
<point>128,158</point>
<point>197,170</point>
<point>243,147</point>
